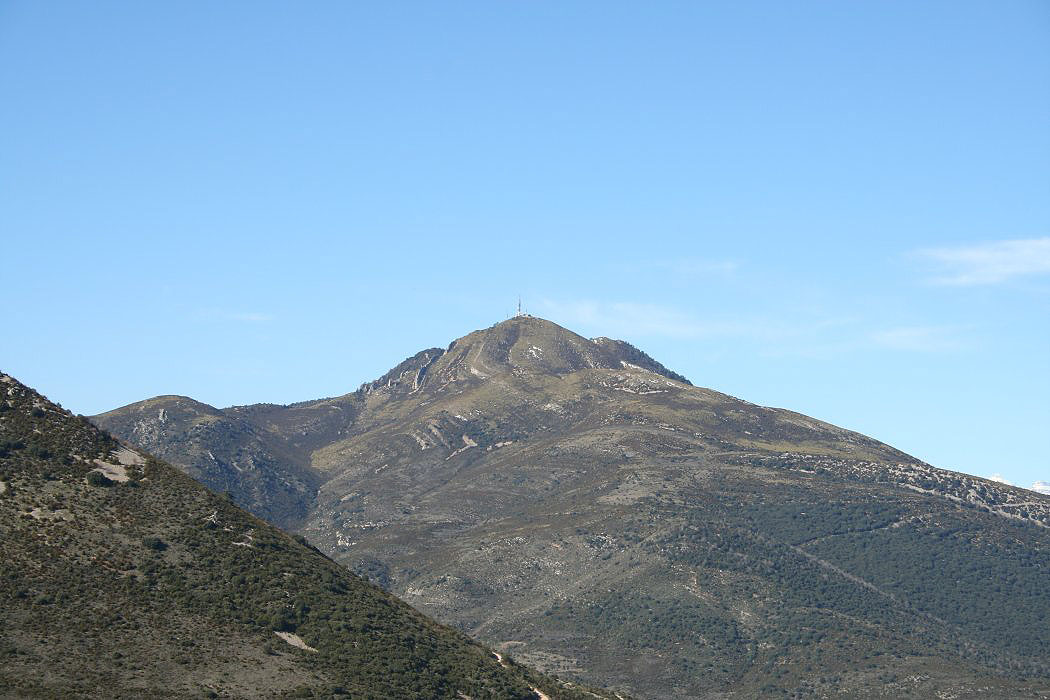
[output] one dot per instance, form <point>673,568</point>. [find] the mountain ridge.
<point>529,470</point>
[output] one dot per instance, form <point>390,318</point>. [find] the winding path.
<point>543,695</point>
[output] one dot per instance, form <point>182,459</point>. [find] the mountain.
<point>258,454</point>
<point>578,504</point>
<point>123,577</point>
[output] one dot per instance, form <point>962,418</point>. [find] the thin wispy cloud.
<point>634,319</point>
<point>1039,486</point>
<point>770,336</point>
<point>918,338</point>
<point>988,263</point>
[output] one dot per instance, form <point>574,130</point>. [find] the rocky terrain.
<point>124,578</point>
<point>580,507</point>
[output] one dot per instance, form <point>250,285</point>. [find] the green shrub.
<point>155,543</point>
<point>99,479</point>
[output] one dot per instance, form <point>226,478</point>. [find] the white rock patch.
<point>3,486</point>
<point>129,457</point>
<point>113,472</point>
<point>124,458</point>
<point>467,444</point>
<point>295,640</point>
<point>41,514</point>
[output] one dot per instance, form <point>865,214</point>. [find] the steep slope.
<point>125,578</point>
<point>237,451</point>
<point>575,502</point>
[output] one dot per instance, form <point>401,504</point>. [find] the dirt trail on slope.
<point>499,657</point>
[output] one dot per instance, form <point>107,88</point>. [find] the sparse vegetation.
<point>615,525</point>
<point>167,589</point>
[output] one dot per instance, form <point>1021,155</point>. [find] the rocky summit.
<point>579,506</point>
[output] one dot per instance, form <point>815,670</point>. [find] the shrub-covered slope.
<point>574,502</point>
<point>122,577</point>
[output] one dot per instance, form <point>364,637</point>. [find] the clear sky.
<point>841,208</point>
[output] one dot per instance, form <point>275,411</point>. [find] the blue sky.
<point>839,208</point>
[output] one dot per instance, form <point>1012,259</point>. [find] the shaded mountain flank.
<point>576,504</point>
<point>124,578</point>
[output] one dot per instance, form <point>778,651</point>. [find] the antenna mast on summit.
<point>519,307</point>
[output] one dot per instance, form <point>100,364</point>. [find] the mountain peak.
<point>537,344</point>
<point>522,344</point>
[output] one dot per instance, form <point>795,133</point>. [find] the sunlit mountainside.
<point>573,502</point>
<point>124,578</point>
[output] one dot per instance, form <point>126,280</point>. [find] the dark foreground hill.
<point>574,502</point>
<point>122,577</point>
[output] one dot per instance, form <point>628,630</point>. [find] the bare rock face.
<point>227,451</point>
<point>591,512</point>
